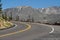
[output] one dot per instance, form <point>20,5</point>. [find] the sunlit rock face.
<point>44,15</point>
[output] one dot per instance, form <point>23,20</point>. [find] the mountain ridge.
<point>44,15</point>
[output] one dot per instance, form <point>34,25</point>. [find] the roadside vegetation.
<point>4,24</point>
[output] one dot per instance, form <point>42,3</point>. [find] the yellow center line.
<point>29,26</point>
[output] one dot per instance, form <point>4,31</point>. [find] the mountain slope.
<point>50,14</point>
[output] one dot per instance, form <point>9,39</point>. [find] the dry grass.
<point>4,24</point>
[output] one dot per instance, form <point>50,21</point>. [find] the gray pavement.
<point>17,27</point>
<point>31,34</point>
<point>53,36</point>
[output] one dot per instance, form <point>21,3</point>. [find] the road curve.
<point>52,28</point>
<point>7,34</point>
<point>34,31</point>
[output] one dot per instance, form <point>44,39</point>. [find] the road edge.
<point>28,27</point>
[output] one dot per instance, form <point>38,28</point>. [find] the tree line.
<point>9,18</point>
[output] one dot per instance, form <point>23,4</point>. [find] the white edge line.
<point>48,26</point>
<point>52,30</point>
<point>29,26</point>
<point>15,25</point>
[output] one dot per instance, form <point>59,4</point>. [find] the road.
<point>52,36</point>
<point>34,32</point>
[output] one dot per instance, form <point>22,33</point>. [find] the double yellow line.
<point>29,26</point>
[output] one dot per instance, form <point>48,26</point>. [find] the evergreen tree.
<point>0,9</point>
<point>17,18</point>
<point>5,16</point>
<point>10,17</point>
<point>32,19</point>
<point>28,20</point>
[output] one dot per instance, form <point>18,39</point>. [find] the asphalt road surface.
<point>36,32</point>
<point>53,36</point>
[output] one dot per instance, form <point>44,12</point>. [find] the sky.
<point>32,3</point>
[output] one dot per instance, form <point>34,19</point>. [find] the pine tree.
<point>29,18</point>
<point>10,17</point>
<point>5,16</point>
<point>32,19</point>
<point>0,9</point>
<point>17,18</point>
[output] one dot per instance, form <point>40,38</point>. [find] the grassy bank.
<point>4,24</point>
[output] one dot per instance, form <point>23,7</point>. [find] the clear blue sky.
<point>33,3</point>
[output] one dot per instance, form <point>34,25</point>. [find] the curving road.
<point>25,31</point>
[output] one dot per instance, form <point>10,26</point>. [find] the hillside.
<point>44,15</point>
<point>4,24</point>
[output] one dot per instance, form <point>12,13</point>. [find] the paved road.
<point>53,36</point>
<point>34,32</point>
<point>17,27</point>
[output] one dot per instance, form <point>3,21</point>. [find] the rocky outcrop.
<point>43,15</point>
